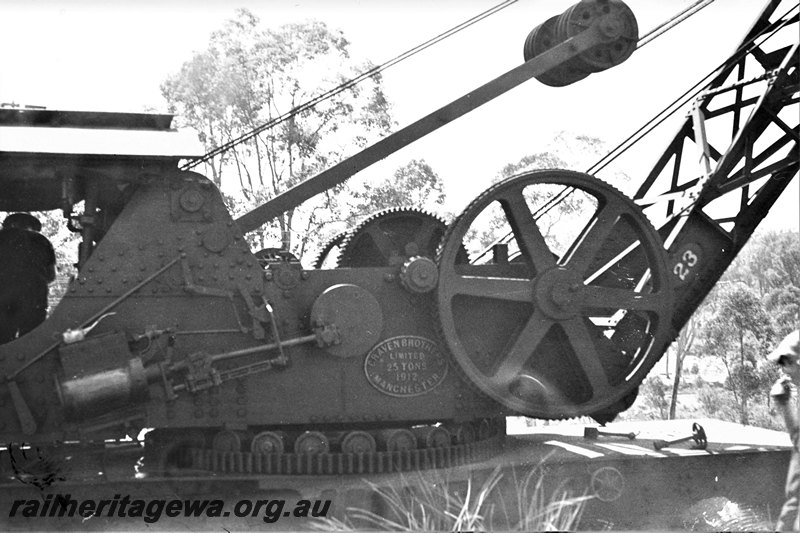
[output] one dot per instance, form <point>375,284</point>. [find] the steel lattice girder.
<point>744,127</point>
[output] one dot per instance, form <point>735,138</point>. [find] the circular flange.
<point>192,200</point>
<point>267,442</point>
<point>398,440</point>
<point>358,442</point>
<point>616,22</point>
<point>419,275</point>
<point>216,238</point>
<point>356,314</point>
<point>556,292</point>
<point>607,484</point>
<point>542,38</point>
<point>433,437</point>
<point>557,335</point>
<point>311,442</point>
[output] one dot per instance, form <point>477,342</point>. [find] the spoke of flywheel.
<point>381,240</point>
<point>524,346</point>
<point>530,239</point>
<point>584,349</point>
<point>508,289</point>
<point>593,296</point>
<point>423,236</point>
<point>592,241</point>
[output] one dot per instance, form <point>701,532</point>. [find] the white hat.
<point>789,347</point>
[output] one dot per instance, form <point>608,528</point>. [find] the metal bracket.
<point>256,313</point>
<point>274,323</point>
<point>192,288</point>
<point>23,412</point>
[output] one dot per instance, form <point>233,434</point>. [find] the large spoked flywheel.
<point>567,308</point>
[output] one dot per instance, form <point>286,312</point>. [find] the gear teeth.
<point>653,241</point>
<point>347,248</point>
<point>337,240</point>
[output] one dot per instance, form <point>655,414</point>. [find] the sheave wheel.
<point>573,311</point>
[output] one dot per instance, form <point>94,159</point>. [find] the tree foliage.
<point>681,347</point>
<point>561,223</point>
<point>739,332</point>
<point>770,262</point>
<point>754,305</point>
<point>413,185</point>
<point>249,76</point>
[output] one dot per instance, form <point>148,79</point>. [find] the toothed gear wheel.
<point>391,237</point>
<point>554,337</point>
<point>419,275</point>
<point>330,249</point>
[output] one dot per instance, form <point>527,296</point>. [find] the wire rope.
<point>770,30</point>
<point>370,73</point>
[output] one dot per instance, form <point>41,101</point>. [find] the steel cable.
<point>770,30</point>
<point>348,84</point>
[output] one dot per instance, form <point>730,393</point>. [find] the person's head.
<point>22,221</point>
<point>787,355</point>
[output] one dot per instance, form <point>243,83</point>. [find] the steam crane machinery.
<point>413,350</point>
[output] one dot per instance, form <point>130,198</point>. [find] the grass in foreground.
<point>428,502</point>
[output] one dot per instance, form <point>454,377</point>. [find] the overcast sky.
<point>89,55</point>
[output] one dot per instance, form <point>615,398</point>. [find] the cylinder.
<point>97,394</point>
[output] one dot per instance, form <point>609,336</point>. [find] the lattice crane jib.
<point>732,157</point>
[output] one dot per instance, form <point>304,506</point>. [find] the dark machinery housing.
<point>412,350</point>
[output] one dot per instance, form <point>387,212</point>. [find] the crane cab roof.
<point>89,133</point>
<point>41,148</point>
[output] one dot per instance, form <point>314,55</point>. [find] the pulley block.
<point>616,24</point>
